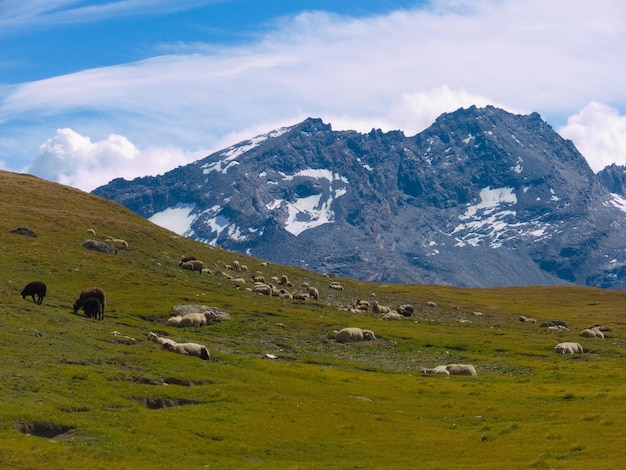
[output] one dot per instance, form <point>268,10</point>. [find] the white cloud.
<point>395,71</point>
<point>599,132</point>
<point>73,159</point>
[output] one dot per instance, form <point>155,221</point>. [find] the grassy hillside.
<point>76,396</point>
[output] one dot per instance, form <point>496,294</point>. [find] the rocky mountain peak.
<point>483,197</point>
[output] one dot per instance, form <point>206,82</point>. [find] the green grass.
<point>320,404</point>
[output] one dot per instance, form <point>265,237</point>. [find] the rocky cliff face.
<point>481,198</point>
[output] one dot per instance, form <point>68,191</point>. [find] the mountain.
<point>481,198</point>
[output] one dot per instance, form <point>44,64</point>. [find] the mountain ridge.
<point>482,198</point>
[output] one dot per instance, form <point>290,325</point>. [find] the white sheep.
<point>377,308</point>
<point>91,232</point>
<point>393,315</point>
<point>313,293</point>
<point>174,321</point>
<point>437,370</point>
<point>568,348</point>
<point>461,369</point>
<point>238,281</point>
<point>189,349</point>
<point>192,319</point>
<point>592,333</point>
<point>158,339</point>
<point>353,334</point>
<point>336,286</point>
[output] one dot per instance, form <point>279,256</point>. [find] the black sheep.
<point>35,288</point>
<point>89,293</point>
<point>93,308</point>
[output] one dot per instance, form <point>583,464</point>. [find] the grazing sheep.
<point>258,279</point>
<point>377,308</point>
<point>568,348</point>
<point>189,349</point>
<point>192,265</point>
<point>93,308</point>
<point>118,241</point>
<point>437,370</point>
<point>238,281</point>
<point>158,339</point>
<point>244,268</point>
<point>88,293</point>
<point>35,288</point>
<point>313,293</point>
<point>299,296</point>
<point>336,286</point>
<point>262,289</point>
<point>347,335</point>
<point>236,265</point>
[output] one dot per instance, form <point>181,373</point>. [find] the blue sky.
<point>93,90</point>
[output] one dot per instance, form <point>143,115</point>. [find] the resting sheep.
<point>452,369</point>
<point>351,334</point>
<point>393,315</point>
<point>159,340</point>
<point>336,286</point>
<point>93,308</point>
<point>437,370</point>
<point>592,333</point>
<point>89,293</point>
<point>35,288</point>
<point>189,349</point>
<point>568,348</point>
<point>377,308</point>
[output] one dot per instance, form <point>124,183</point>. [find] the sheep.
<point>88,293</point>
<point>300,296</point>
<point>377,308</point>
<point>362,304</point>
<point>313,293</point>
<point>353,334</point>
<point>437,370</point>
<point>192,265</point>
<point>406,310</point>
<point>184,259</point>
<point>93,308</point>
<point>35,288</point>
<point>91,232</point>
<point>119,241</point>
<point>192,319</point>
<point>461,369</point>
<point>557,323</point>
<point>568,348</point>
<point>430,303</point>
<point>258,279</point>
<point>159,340</point>
<point>527,319</point>
<point>262,289</point>
<point>174,321</point>
<point>188,349</point>
<point>336,286</point>
<point>236,265</point>
<point>591,333</point>
<point>238,281</point>
<point>393,315</point>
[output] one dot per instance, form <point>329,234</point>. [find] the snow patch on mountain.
<point>178,218</point>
